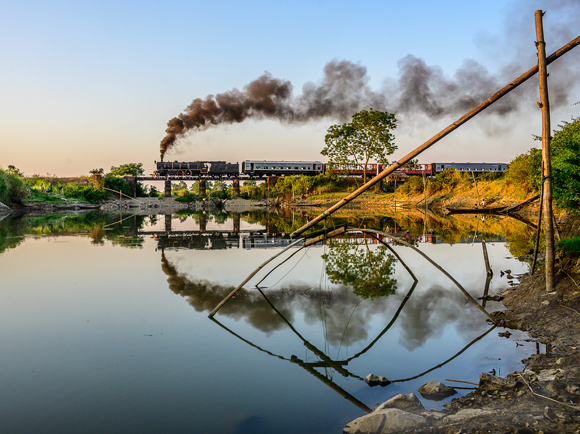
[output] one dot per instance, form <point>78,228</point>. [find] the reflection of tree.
<point>96,226</point>
<point>367,271</point>
<point>12,232</point>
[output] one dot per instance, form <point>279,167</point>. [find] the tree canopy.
<point>353,144</point>
<point>129,169</point>
<point>565,160</point>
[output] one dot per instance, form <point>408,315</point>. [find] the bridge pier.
<point>167,188</point>
<point>202,187</point>
<point>167,222</point>
<point>236,188</point>
<point>132,185</point>
<point>236,218</point>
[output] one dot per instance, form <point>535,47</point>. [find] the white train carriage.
<point>281,168</point>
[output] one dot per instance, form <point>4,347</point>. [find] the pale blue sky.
<point>86,85</point>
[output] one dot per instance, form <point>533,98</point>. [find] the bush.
<point>86,193</point>
<point>414,185</point>
<point>570,245</point>
<point>117,183</point>
<point>13,189</point>
<point>565,159</point>
<point>446,180</point>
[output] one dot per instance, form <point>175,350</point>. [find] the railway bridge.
<point>271,180</point>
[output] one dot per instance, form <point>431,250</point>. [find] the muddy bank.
<point>143,205</point>
<point>545,398</point>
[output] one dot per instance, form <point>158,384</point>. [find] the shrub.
<point>13,189</point>
<point>414,185</point>
<point>570,245</point>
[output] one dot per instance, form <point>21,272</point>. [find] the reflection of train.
<point>259,168</point>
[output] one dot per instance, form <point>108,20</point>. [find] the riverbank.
<point>545,398</point>
<point>159,205</point>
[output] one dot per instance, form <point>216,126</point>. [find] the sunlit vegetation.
<point>13,190</point>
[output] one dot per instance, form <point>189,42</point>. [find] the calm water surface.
<point>104,323</point>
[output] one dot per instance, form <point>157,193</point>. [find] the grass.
<point>570,245</point>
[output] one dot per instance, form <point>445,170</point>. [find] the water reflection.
<point>122,346</point>
<point>354,264</point>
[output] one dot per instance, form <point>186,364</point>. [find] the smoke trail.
<point>420,89</point>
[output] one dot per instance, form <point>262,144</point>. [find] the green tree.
<point>368,136</point>
<point>129,169</point>
<point>565,160</point>
<point>367,271</point>
<point>14,170</point>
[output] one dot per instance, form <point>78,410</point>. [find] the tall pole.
<point>547,170</point>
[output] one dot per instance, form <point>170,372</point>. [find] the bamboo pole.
<point>477,190</point>
<point>502,92</point>
<point>539,227</point>
<point>547,172</point>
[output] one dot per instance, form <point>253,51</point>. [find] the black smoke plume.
<point>420,89</point>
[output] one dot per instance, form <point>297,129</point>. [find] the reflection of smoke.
<point>204,296</point>
<point>346,318</point>
<point>420,88</point>
<point>427,314</point>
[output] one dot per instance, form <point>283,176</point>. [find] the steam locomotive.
<point>260,168</point>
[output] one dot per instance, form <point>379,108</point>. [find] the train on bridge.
<point>262,168</point>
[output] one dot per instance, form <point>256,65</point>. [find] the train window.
<point>296,168</point>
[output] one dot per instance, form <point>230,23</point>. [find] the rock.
<point>376,380</point>
<point>470,413</point>
<point>550,374</point>
<point>408,402</point>
<point>390,420</point>
<point>436,391</point>
<point>491,382</point>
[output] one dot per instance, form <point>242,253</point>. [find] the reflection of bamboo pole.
<point>486,290</point>
<point>334,365</point>
<point>369,346</point>
<point>231,294</point>
<point>461,288</point>
<point>486,259</point>
<point>446,361</point>
<point>331,384</point>
<point>308,368</point>
<point>502,92</point>
<point>396,255</point>
<point>547,172</point>
<point>272,270</point>
<point>248,342</point>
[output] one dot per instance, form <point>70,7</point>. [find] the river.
<point>104,320</point>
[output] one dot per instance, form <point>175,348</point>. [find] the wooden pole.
<point>547,172</point>
<point>502,92</point>
<point>476,190</point>
<point>539,225</point>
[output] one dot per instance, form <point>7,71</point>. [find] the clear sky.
<point>87,85</point>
